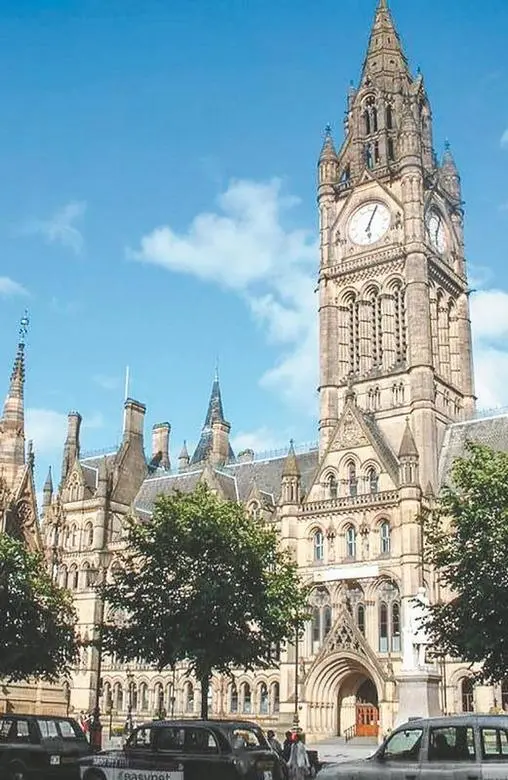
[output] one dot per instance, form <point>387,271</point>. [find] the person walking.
<point>286,747</point>
<point>274,742</point>
<point>298,764</point>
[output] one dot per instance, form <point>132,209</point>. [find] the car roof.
<point>247,724</point>
<point>31,716</point>
<point>454,720</point>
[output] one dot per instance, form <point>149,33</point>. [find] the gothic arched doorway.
<point>357,707</point>
<point>367,710</point>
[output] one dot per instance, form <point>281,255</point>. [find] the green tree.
<point>467,542</point>
<point>203,581</point>
<point>37,636</point>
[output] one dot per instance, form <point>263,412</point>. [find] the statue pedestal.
<point>419,695</point>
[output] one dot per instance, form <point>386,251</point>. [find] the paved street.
<point>336,750</point>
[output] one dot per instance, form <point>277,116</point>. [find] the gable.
<point>357,440</point>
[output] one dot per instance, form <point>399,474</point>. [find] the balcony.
<point>384,498</point>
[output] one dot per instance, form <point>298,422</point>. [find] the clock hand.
<point>367,229</point>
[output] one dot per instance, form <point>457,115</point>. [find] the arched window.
<point>383,628</point>
<point>188,697</point>
<point>333,487</point>
<point>158,695</point>
<point>85,575</point>
<point>319,546</point>
<point>316,624</point>
<point>389,617</point>
<point>170,703</point>
<point>400,323</point>
<point>369,159</point>
<point>360,618</point>
<point>89,534</point>
<point>143,696</point>
<point>395,627</point>
<point>353,330</point>
<point>389,117</point>
<point>352,480</point>
<point>274,698</point>
<point>64,577</point>
<point>327,620</point>
<point>118,697</point>
<point>384,538</point>
<point>366,120</point>
<point>351,542</point>
<point>372,480</point>
<point>74,537</point>
<point>263,699</point>
<point>134,696</point>
<point>233,698</point>
<point>246,698</point>
<point>467,694</point>
<point>391,150</point>
<point>73,577</point>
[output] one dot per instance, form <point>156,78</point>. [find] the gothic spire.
<point>291,468</point>
<point>385,54</point>
<point>408,448</point>
<point>449,174</point>
<point>215,413</point>
<point>12,423</point>
<point>13,407</point>
<point>328,151</point>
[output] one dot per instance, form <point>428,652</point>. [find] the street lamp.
<point>95,724</point>
<point>128,723</point>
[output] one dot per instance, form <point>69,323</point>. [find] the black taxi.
<point>189,750</point>
<point>42,747</point>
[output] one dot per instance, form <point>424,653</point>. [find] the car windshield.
<point>245,738</point>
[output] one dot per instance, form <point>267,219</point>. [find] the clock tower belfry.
<point>394,309</point>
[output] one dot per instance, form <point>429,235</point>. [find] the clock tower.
<point>394,309</point>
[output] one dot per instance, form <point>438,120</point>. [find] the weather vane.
<point>23,327</point>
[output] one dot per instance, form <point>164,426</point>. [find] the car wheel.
<point>17,772</point>
<point>95,774</point>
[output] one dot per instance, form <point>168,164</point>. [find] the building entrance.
<point>367,712</point>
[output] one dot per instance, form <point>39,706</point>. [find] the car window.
<point>452,743</point>
<point>494,744</point>
<point>20,732</point>
<point>5,726</point>
<point>48,729</point>
<point>246,739</point>
<point>170,738</point>
<point>70,730</point>
<point>141,739</point>
<point>404,745</point>
<point>200,741</point>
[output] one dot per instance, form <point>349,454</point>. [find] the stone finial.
<point>408,448</point>
<point>291,468</point>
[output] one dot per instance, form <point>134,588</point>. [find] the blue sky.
<point>187,132</point>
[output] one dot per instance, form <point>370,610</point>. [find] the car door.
<point>399,759</point>
<point>450,753</point>
<point>139,752</point>
<point>192,753</point>
<point>494,752</point>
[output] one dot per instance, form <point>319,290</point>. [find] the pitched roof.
<point>491,431</point>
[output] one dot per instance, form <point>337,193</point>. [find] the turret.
<point>47,492</point>
<point>12,422</point>
<point>183,458</point>
<point>328,166</point>
<point>408,459</point>
<point>291,478</point>
<point>214,444</point>
<point>449,175</point>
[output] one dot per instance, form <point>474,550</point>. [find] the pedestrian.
<point>274,742</point>
<point>299,765</point>
<point>286,747</point>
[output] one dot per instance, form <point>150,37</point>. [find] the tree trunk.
<point>205,686</point>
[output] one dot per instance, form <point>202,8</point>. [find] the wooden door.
<point>367,717</point>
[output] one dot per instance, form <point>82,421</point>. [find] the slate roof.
<point>90,468</point>
<point>491,431</point>
<point>389,457</point>
<point>235,479</point>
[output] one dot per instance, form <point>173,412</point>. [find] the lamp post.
<point>95,724</point>
<point>130,682</point>
<point>173,697</point>
<point>296,716</point>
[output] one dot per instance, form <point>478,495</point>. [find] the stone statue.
<point>416,638</point>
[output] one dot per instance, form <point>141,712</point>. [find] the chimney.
<point>133,420</point>
<point>219,454</point>
<point>72,446</point>
<point>160,445</point>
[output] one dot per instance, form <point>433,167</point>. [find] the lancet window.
<point>352,479</point>
<point>246,698</point>
<point>263,699</point>
<point>353,321</point>
<point>319,545</point>
<point>400,323</point>
<point>351,542</point>
<point>389,618</point>
<point>321,610</point>
<point>372,480</point>
<point>233,698</point>
<point>376,318</point>
<point>384,538</point>
<point>356,605</point>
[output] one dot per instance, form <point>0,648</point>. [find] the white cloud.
<point>504,139</point>
<point>107,382</point>
<point>246,246</point>
<point>60,228</point>
<point>489,318</point>
<point>489,314</point>
<point>10,287</point>
<point>48,429</point>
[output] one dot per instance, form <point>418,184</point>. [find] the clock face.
<point>436,231</point>
<point>369,223</point>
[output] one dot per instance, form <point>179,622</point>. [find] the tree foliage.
<point>202,581</point>
<point>37,637</point>
<point>467,541</point>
